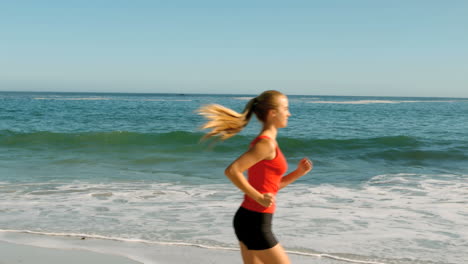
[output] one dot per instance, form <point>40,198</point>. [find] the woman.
<point>266,166</point>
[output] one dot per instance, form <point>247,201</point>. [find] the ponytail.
<point>225,123</point>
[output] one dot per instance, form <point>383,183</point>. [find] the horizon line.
<point>193,93</point>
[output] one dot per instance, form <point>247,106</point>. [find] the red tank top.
<point>265,176</point>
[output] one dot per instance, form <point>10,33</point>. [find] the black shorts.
<point>254,229</point>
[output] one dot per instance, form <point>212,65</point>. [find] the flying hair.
<point>225,123</point>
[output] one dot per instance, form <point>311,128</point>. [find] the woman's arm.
<point>304,166</point>
<point>263,149</point>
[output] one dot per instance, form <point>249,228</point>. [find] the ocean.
<point>389,184</point>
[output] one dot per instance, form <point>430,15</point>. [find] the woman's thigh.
<point>274,255</point>
<point>247,256</point>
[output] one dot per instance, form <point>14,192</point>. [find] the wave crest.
<point>390,148</point>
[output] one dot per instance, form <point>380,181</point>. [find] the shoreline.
<point>24,248</point>
<point>13,253</point>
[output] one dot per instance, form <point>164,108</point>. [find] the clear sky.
<point>323,47</point>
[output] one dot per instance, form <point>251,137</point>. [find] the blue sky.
<point>348,47</point>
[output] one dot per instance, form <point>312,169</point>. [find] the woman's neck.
<point>269,131</point>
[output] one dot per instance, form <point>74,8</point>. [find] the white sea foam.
<point>382,101</point>
<point>356,102</point>
<point>243,98</point>
<point>404,215</point>
<point>156,100</point>
<point>391,215</point>
<point>73,99</point>
<point>107,99</point>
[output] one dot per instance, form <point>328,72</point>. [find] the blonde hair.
<point>225,123</point>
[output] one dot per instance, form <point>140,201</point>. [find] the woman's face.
<point>281,114</point>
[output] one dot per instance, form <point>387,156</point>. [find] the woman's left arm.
<point>303,167</point>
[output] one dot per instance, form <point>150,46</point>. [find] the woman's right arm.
<point>263,149</point>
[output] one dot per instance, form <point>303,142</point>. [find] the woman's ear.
<point>272,112</point>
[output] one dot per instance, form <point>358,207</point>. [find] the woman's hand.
<point>266,200</point>
<point>304,166</point>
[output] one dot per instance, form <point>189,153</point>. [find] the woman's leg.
<point>274,255</point>
<point>254,229</point>
<point>247,256</point>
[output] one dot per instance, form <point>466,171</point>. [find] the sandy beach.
<point>16,248</point>
<point>16,254</point>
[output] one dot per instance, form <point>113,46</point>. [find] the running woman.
<point>265,165</point>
